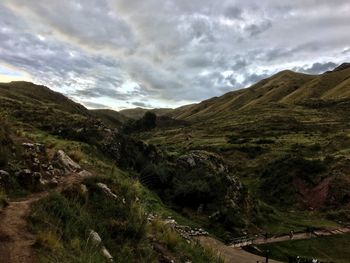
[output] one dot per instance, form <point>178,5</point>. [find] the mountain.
<point>110,117</point>
<point>286,87</point>
<point>137,113</point>
<point>286,136</point>
<point>20,91</point>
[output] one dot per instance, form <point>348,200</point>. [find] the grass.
<point>263,135</point>
<point>62,220</point>
<point>326,249</point>
<point>61,223</point>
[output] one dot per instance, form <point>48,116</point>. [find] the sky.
<point>121,54</point>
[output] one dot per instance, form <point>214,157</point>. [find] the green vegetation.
<point>326,249</point>
<point>146,123</point>
<point>62,223</point>
<point>290,154</point>
<point>287,138</point>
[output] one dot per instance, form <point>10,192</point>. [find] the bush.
<point>278,178</point>
<point>4,157</point>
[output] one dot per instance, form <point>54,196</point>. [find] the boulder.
<point>63,162</point>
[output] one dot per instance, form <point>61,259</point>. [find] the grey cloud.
<point>142,104</point>
<point>88,22</point>
<point>94,105</point>
<point>175,50</point>
<point>253,78</point>
<point>317,68</point>
<point>234,12</point>
<point>256,29</point>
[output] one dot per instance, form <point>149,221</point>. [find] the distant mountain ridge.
<point>137,113</point>
<point>286,87</point>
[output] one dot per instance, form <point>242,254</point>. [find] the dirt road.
<point>231,254</point>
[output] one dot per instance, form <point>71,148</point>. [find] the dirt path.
<point>235,254</point>
<point>231,254</point>
<point>15,239</point>
<point>296,236</point>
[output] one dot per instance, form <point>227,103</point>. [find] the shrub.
<point>4,157</point>
<point>278,177</point>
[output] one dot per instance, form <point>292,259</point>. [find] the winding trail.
<point>296,236</point>
<point>16,241</point>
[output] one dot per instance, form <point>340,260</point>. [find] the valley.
<point>262,161</point>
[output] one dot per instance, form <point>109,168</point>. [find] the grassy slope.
<point>110,117</point>
<point>61,221</point>
<point>285,87</point>
<point>265,131</point>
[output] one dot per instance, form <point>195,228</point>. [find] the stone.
<point>85,173</point>
<point>94,239</point>
<point>107,191</point>
<point>28,145</point>
<point>83,189</point>
<point>106,254</point>
<point>62,161</point>
<point>49,182</point>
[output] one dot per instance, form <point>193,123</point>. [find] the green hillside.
<point>286,137</point>
<point>286,87</point>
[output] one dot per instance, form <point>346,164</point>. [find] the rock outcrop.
<point>63,162</point>
<point>203,158</point>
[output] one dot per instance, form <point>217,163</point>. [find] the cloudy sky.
<point>166,53</point>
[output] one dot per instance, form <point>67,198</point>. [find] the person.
<point>267,256</point>
<point>314,260</point>
<point>298,259</point>
<point>266,236</point>
<point>291,234</point>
